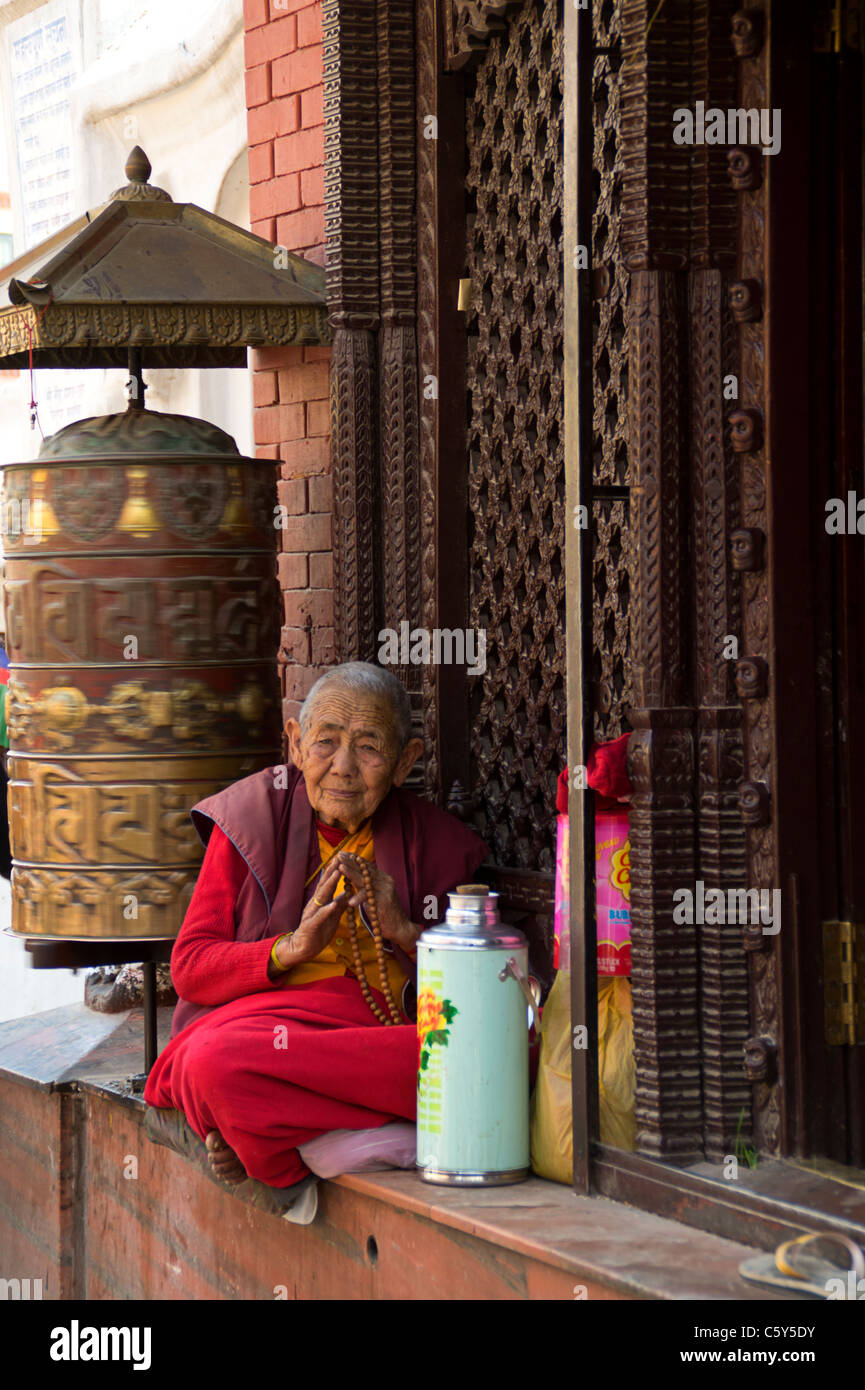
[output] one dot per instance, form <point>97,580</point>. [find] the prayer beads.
<point>366,990</point>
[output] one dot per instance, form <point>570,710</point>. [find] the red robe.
<point>268,1064</point>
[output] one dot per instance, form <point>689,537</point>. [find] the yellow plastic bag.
<point>617,1077</point>
<point>552,1149</point>
<point>552,1145</point>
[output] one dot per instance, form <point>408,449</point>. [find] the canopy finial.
<point>138,169</point>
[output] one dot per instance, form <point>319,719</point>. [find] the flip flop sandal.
<point>806,1275</point>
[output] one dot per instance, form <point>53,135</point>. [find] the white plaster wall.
<point>24,990</point>
<point>167,75</point>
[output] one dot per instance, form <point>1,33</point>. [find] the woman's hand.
<point>395,926</point>
<point>318,923</point>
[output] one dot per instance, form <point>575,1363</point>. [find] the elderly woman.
<point>287,1029</point>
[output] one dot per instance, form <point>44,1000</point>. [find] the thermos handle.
<point>516,973</point>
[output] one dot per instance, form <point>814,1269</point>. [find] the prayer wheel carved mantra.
<point>142,621</point>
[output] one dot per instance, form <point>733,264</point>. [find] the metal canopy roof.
<point>179,285</point>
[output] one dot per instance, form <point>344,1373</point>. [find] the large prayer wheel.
<point>142,622</point>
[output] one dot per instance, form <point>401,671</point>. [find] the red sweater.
<point>207,965</point>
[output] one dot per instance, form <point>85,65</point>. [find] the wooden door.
<point>833,1108</point>
<point>804,600</point>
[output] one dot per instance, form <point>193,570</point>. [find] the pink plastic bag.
<point>561,917</point>
<point>612,892</point>
<point>361,1150</point>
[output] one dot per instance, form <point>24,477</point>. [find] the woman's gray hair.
<point>370,680</point>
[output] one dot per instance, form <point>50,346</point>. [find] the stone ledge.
<point>595,1241</point>
<point>70,1215</point>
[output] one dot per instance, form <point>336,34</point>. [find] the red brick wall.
<point>291,390</point>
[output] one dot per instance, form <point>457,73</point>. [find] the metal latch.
<point>844,982</point>
<point>837,26</point>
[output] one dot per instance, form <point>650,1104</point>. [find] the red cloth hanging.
<point>606,774</point>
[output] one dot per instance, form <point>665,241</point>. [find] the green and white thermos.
<point>473,1045</point>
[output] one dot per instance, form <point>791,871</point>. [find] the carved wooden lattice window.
<point>610,468</point>
<point>515,435</point>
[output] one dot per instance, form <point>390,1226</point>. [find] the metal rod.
<point>578,559</point>
<point>135,385</point>
<point>150,1045</point>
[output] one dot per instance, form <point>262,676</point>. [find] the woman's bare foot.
<point>223,1160</point>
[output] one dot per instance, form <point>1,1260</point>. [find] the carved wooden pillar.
<point>399,475</point>
<point>750,557</point>
<point>724,1011</point>
<point>655,236</point>
<point>441,342</point>
<point>398,365</point>
<point>721,860</point>
<point>427,97</point>
<point>353,384</point>
<point>664,976</point>
<point>351,231</point>
<point>687,763</point>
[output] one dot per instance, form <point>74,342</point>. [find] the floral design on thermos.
<point>434,1017</point>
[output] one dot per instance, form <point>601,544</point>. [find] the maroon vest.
<point>424,850</point>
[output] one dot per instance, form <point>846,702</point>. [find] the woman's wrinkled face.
<point>349,755</point>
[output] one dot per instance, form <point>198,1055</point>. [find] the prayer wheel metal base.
<point>142,622</point>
